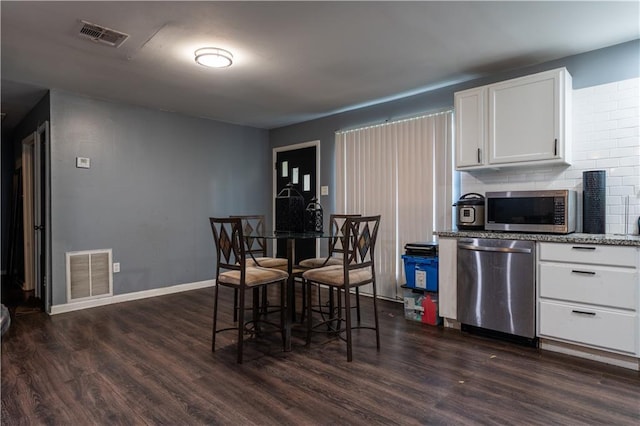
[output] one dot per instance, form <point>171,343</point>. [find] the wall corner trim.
<point>127,297</point>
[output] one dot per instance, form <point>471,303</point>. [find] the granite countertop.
<point>575,238</point>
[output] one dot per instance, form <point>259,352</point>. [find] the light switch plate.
<point>324,190</point>
<point>116,267</point>
<point>83,162</point>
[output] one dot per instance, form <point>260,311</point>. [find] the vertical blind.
<point>403,171</point>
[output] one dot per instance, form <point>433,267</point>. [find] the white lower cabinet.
<point>585,324</point>
<point>589,295</point>
<point>596,285</point>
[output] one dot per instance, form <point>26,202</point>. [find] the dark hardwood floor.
<point>150,362</point>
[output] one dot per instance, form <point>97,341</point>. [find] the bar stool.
<point>231,258</point>
<point>357,269</point>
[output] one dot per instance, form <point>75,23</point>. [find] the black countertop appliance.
<point>470,212</point>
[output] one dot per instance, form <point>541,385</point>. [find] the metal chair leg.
<point>256,309</point>
<point>235,305</point>
<point>283,313</point>
<point>307,285</point>
<point>264,308</point>
<point>347,308</point>
<point>215,318</point>
<point>304,303</point>
<point>375,316</point>
<point>241,325</point>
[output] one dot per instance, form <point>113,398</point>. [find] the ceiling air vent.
<point>101,34</point>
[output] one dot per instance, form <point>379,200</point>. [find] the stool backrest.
<point>253,227</point>
<point>228,237</point>
<point>360,241</point>
<point>337,230</point>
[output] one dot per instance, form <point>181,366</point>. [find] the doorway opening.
<point>28,263</point>
<point>299,165</point>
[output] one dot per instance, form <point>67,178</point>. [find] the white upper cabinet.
<point>524,121</point>
<point>471,126</point>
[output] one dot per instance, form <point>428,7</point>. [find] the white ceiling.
<point>294,61</point>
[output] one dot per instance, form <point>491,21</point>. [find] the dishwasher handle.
<point>494,249</point>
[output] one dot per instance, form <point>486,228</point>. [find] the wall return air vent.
<point>100,34</point>
<point>89,274</point>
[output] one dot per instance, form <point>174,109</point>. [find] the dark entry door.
<point>297,166</point>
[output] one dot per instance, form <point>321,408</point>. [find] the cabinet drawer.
<point>589,253</point>
<point>597,327</point>
<point>599,285</point>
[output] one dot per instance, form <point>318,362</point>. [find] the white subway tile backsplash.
<point>630,161</point>
<point>630,102</point>
<point>591,145</point>
<point>630,141</point>
<point>614,219</point>
<point>603,94</point>
<point>623,113</point>
<point>614,199</point>
<point>596,155</point>
<point>614,181</point>
<point>605,105</point>
<point>615,210</point>
<point>584,128</point>
<point>629,122</point>
<point>633,180</point>
<point>601,116</point>
<point>629,84</point>
<point>607,163</point>
<point>627,132</point>
<point>621,190</point>
<point>602,135</point>
<point>626,93</point>
<point>623,171</point>
<point>624,152</point>
<point>606,125</point>
<point>573,174</point>
<point>606,136</point>
<point>583,165</point>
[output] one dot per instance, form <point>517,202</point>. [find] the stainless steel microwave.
<point>551,211</point>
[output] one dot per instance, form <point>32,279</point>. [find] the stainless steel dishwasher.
<point>496,287</point>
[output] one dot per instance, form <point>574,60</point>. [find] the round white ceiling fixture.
<point>214,57</point>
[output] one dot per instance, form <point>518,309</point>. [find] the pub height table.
<point>291,237</point>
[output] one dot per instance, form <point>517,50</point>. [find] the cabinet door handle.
<point>555,147</point>
<point>479,158</point>
<point>593,314</point>
<point>583,272</point>
<point>583,248</point>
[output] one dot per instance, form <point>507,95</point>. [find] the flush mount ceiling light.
<point>214,57</point>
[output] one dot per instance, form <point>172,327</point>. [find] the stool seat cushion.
<point>334,276</point>
<point>267,262</point>
<point>254,276</point>
<point>320,262</point>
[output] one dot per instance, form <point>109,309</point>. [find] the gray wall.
<point>601,66</point>
<point>155,179</point>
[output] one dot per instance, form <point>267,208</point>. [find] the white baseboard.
<point>127,297</point>
<point>625,361</point>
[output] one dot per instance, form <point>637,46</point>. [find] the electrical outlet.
<point>116,267</point>
<point>324,190</point>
